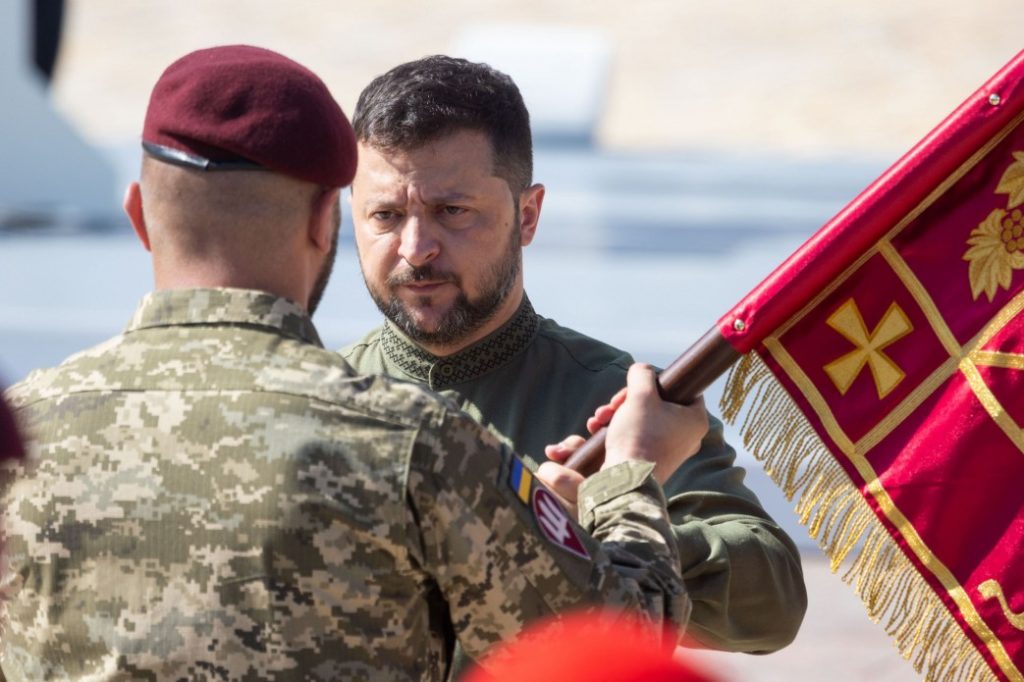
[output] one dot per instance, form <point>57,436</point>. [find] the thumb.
<point>641,381</point>
<point>560,452</point>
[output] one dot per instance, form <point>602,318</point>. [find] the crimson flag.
<point>886,389</point>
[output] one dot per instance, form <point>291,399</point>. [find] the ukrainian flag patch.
<point>520,480</point>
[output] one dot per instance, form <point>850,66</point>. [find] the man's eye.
<point>453,210</point>
<point>382,215</point>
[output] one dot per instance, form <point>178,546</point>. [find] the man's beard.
<point>465,316</point>
<point>325,272</point>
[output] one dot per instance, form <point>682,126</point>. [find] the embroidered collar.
<point>489,353</point>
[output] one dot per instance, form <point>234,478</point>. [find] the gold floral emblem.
<point>997,244</point>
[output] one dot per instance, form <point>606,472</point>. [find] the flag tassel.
<point>842,523</point>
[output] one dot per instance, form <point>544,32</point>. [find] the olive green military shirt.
<point>534,382</point>
<point>212,495</point>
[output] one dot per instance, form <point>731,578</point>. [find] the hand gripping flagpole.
<point>682,382</point>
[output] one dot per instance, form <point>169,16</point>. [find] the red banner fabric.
<point>897,333</point>
<point>873,213</point>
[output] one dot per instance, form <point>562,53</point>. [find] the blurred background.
<point>687,147</point>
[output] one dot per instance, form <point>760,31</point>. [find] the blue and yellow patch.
<point>520,480</point>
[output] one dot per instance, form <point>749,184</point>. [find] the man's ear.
<point>133,208</point>
<point>529,212</point>
<point>325,215</point>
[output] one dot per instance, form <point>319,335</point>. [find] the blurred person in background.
<point>443,203</point>
<point>47,25</point>
<point>212,494</point>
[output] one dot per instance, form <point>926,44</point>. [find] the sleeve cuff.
<point>607,484</point>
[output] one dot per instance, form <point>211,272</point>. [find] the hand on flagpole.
<point>641,426</point>
<point>560,479</point>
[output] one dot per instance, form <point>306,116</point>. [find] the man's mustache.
<point>423,273</point>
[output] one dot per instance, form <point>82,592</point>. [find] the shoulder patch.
<point>554,522</point>
<point>520,479</point>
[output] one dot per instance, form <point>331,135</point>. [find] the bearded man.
<point>443,203</point>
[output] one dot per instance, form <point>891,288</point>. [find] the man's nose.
<point>419,243</point>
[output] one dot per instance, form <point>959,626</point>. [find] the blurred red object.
<point>586,647</point>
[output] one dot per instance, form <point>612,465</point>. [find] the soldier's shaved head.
<point>198,215</point>
<point>243,229</point>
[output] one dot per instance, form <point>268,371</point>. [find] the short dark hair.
<point>421,101</point>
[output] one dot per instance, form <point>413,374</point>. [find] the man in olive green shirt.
<point>443,203</point>
<point>213,495</point>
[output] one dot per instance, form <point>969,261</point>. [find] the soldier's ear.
<point>323,219</point>
<point>529,212</point>
<point>133,208</point>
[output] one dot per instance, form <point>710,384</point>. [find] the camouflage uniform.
<point>215,496</point>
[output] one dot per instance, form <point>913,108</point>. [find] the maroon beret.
<point>238,106</point>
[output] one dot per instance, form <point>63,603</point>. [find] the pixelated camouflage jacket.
<point>212,495</point>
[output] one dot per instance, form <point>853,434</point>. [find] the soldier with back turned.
<point>212,495</point>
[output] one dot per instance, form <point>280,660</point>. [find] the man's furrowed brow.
<point>384,199</point>
<point>449,197</point>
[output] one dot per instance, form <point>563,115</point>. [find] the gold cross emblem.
<point>848,321</point>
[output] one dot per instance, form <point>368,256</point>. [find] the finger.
<point>642,381</point>
<point>602,416</point>
<point>604,413</point>
<point>562,481</point>
<point>560,452</point>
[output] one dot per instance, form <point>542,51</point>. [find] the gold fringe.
<point>840,520</point>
